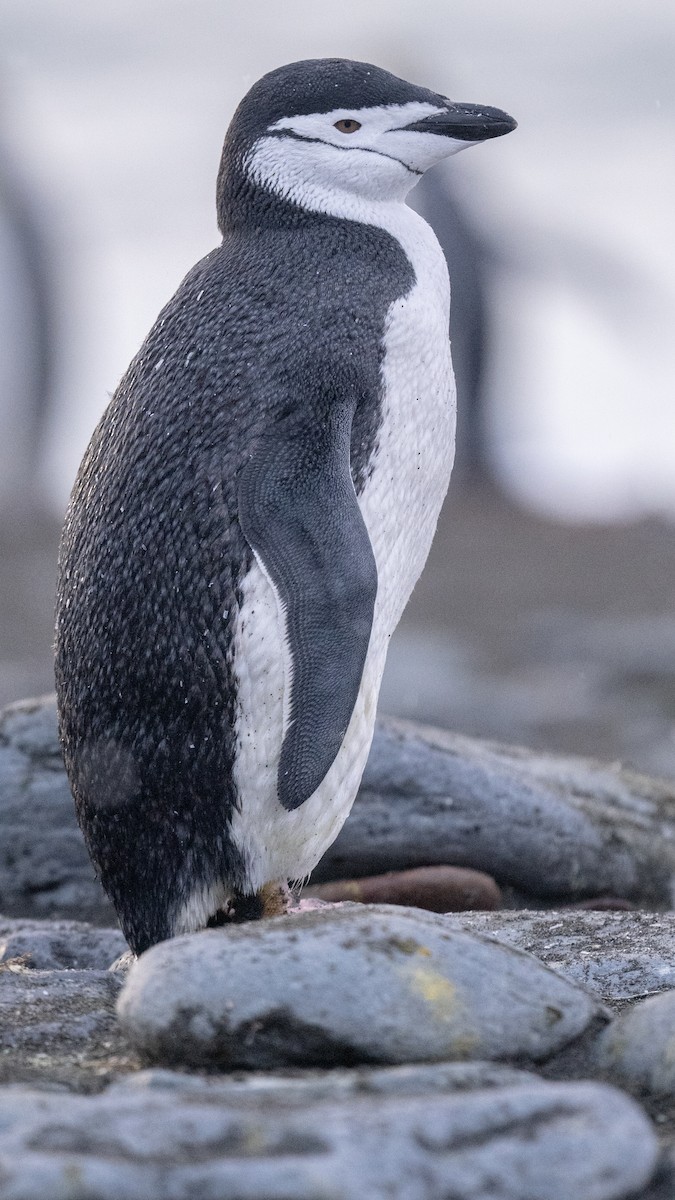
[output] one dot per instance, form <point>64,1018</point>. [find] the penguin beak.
<point>465,122</point>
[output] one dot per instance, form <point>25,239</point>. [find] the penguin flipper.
<point>299,513</point>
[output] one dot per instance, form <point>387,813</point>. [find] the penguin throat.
<point>320,178</point>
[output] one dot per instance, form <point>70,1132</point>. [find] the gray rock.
<point>44,866</point>
<point>517,1142</point>
<point>68,1007</point>
<point>59,945</point>
<point>662,1186</point>
<point>618,955</point>
<point>638,1048</point>
<point>344,986</point>
<point>549,827</point>
<point>305,1087</point>
<point>58,1028</point>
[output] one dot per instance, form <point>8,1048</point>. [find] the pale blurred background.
<point>547,611</point>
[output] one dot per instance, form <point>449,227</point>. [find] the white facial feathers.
<point>375,126</point>
<point>381,160</point>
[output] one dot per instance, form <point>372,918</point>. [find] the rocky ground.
<point>520,1051</point>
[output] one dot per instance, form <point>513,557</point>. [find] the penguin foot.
<point>273,900</point>
<point>276,899</point>
<point>239,908</point>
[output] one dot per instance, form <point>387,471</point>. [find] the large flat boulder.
<point>547,827</point>
<point>514,1140</point>
<point>346,985</point>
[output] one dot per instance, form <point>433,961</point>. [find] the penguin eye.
<point>348,125</point>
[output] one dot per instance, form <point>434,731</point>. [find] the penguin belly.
<point>406,481</point>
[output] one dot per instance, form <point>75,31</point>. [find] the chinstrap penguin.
<point>257,503</point>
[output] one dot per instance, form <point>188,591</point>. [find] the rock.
<point>59,1026</point>
<point>304,1087</point>
<point>72,1006</point>
<point>513,1142</point>
<point>618,955</point>
<point>638,1048</point>
<point>346,985</point>
<point>662,1186</point>
<point>59,945</point>
<point>44,866</point>
<point>551,827</point>
<point>437,889</point>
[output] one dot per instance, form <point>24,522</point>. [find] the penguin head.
<point>324,126</point>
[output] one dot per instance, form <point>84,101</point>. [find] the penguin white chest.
<point>407,479</point>
<point>410,467</point>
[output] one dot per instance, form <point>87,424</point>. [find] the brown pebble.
<point>438,889</point>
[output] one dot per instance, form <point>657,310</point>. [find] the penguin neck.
<point>267,188</point>
<point>244,205</point>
